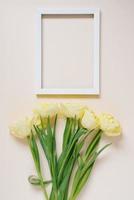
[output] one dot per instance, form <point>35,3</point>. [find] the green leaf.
<point>82,182</point>
<point>54,167</point>
<point>83,174</point>
<point>92,146</point>
<point>74,127</point>
<point>34,151</point>
<point>65,179</point>
<point>67,132</point>
<point>43,141</point>
<point>103,148</point>
<point>63,188</point>
<point>83,159</point>
<point>68,151</point>
<point>48,143</point>
<point>49,130</point>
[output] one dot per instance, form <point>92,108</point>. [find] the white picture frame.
<point>95,90</point>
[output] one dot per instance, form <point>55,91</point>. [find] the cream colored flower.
<point>22,128</point>
<point>35,120</point>
<point>109,125</point>
<point>47,109</point>
<point>89,120</point>
<point>72,110</point>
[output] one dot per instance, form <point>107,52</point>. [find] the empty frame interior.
<point>67,51</point>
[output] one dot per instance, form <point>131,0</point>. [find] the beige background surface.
<point>113,177</point>
<point>67,55</point>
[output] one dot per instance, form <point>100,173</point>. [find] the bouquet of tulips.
<point>81,137</point>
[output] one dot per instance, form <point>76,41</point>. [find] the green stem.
<point>39,174</point>
<point>41,182</point>
<point>43,187</point>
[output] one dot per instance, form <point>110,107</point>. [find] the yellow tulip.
<point>89,120</point>
<point>72,110</point>
<point>47,109</point>
<point>109,125</point>
<point>22,128</point>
